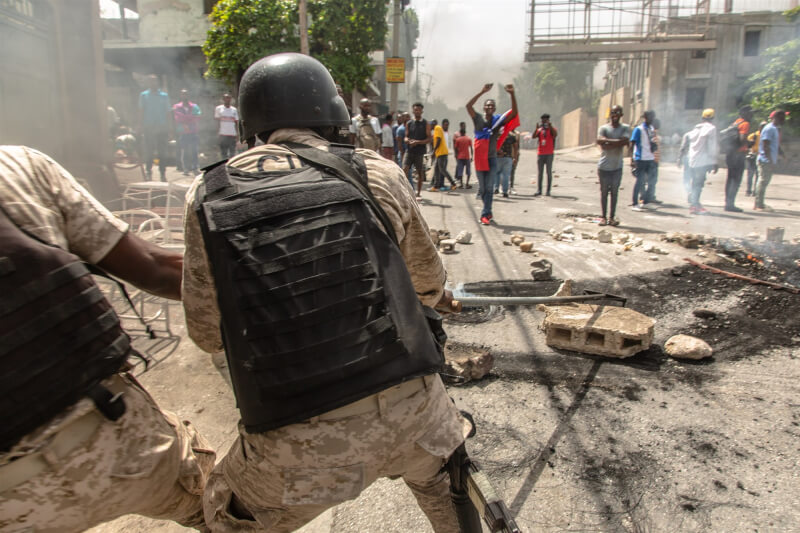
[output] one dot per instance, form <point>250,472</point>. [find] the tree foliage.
<point>776,85</point>
<point>341,35</point>
<point>555,88</point>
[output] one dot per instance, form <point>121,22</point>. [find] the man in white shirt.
<point>387,138</point>
<point>703,150</point>
<point>228,118</point>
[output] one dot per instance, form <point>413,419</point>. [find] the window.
<point>751,42</point>
<point>695,97</point>
<point>698,54</point>
<point>699,64</point>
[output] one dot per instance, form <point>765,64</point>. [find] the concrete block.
<point>542,270</point>
<point>598,329</point>
<point>447,246</point>
<point>526,247</point>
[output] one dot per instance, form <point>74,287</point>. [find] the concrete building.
<point>52,86</point>
<point>165,38</point>
<point>679,84</point>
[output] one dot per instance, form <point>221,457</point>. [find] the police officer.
<point>111,450</point>
<point>280,478</point>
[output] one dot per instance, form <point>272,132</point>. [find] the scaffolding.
<point>609,29</point>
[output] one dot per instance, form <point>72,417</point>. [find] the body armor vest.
<point>318,309</point>
<point>59,336</point>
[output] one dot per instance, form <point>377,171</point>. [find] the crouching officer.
<point>81,442</point>
<point>307,261</point>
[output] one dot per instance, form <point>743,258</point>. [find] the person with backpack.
<point>81,441</point>
<point>311,264</point>
<point>418,137</point>
<point>365,130</point>
<point>733,142</point>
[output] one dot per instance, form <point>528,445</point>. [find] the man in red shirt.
<point>546,134</point>
<point>462,144</point>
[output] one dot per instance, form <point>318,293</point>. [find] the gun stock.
<point>475,498</point>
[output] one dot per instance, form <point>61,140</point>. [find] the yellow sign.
<point>395,70</point>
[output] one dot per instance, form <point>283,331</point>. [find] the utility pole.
<point>395,52</point>
<point>301,7</point>
<point>416,73</point>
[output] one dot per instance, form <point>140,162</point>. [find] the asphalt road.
<point>583,443</point>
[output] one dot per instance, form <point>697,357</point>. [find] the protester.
<point>334,391</point>
<point>440,152</point>
<point>643,162</point>
<point>768,153</point>
<point>228,118</point>
<point>546,135</point>
<point>154,122</point>
<point>462,144</point>
<point>402,147</point>
<point>507,154</point>
<point>81,441</point>
<point>490,131</point>
<point>612,139</point>
<point>365,130</point>
<point>702,156</point>
<point>418,136</point>
<point>735,158</point>
<point>750,160</point>
<point>387,138</point>
<point>187,119</point>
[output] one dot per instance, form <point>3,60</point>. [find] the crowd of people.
<point>744,147</point>
<point>159,123</point>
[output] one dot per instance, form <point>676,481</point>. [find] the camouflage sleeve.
<point>90,229</point>
<point>199,293</point>
<point>393,192</point>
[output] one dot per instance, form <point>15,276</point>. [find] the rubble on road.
<point>447,246</point>
<point>465,363</point>
<point>464,237</point>
<point>687,347</point>
<point>542,270</point>
<point>526,247</point>
<point>604,236</point>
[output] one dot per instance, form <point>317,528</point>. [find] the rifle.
<point>474,496</point>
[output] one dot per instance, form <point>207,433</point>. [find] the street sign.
<point>395,70</point>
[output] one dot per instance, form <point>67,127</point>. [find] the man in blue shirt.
<point>768,152</point>
<point>643,161</point>
<point>155,117</point>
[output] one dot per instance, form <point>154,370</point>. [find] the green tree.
<point>341,35</point>
<point>563,86</point>
<point>776,85</point>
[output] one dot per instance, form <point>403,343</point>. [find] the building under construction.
<point>674,56</point>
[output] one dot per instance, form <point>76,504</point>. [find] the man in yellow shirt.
<point>440,152</point>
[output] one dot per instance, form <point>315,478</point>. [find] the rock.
<point>687,347</point>
<point>598,329</point>
<point>568,229</point>
<point>617,252</point>
<point>604,236</point>
<point>463,365</point>
<point>435,236</point>
<point>526,247</point>
<point>464,237</point>
<point>506,243</point>
<point>447,246</point>
<point>688,241</point>
<point>517,236</point>
<point>638,241</point>
<point>517,240</point>
<point>653,258</point>
<point>587,236</point>
<point>704,313</point>
<point>702,254</point>
<point>444,234</point>
<point>541,270</point>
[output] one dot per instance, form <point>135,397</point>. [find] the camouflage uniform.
<point>148,461</point>
<point>285,477</point>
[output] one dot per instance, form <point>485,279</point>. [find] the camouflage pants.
<point>285,477</point>
<point>147,462</point>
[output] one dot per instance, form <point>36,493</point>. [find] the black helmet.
<point>288,90</point>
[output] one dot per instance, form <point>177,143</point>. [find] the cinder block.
<point>598,329</point>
